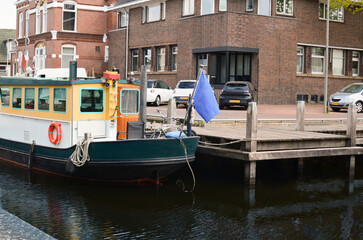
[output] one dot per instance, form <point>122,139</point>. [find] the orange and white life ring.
<point>57,127</point>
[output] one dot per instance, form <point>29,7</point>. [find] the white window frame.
<point>75,15</point>
<point>201,7</point>
<point>161,57</point>
<point>174,57</point>
<point>145,56</point>
<point>37,20</point>
<point>285,8</point>
<point>188,7</point>
<point>317,57</point>
<point>39,60</point>
<point>74,54</point>
<point>341,67</point>
<point>301,55</point>
<point>356,59</point>
<point>330,14</point>
<point>134,56</point>
<point>223,7</point>
<point>248,3</point>
<point>45,18</point>
<point>122,19</point>
<point>27,15</point>
<point>21,23</point>
<point>152,17</point>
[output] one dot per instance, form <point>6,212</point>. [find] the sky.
<point>7,14</point>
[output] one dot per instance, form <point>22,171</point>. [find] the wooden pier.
<point>251,144</point>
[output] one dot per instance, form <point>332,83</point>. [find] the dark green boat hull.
<point>127,160</point>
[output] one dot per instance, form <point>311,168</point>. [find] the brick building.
<point>278,45</point>
<point>53,32</point>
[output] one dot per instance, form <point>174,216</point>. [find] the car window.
<point>186,85</point>
<point>239,86</point>
<point>352,89</point>
<point>150,84</point>
<point>164,85</point>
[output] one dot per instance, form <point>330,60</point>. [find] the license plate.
<point>335,103</point>
<point>234,101</point>
<point>184,98</point>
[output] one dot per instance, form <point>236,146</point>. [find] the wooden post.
<point>250,172</point>
<point>300,116</point>
<point>251,143</point>
<point>351,167</point>
<point>171,111</point>
<point>352,125</point>
<point>251,127</point>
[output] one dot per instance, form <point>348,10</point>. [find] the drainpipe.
<point>127,43</point>
<point>326,110</point>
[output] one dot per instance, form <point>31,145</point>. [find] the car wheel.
<point>336,109</point>
<point>157,101</point>
<point>359,106</point>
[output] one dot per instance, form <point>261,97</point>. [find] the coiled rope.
<point>80,155</point>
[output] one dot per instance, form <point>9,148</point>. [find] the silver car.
<point>352,93</point>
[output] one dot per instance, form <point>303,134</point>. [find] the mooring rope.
<point>190,168</point>
<point>80,155</point>
<point>222,144</point>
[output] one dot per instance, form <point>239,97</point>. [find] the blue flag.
<point>205,101</point>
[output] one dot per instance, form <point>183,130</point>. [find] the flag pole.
<point>190,101</point>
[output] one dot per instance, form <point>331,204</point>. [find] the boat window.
<point>17,97</point>
<point>5,96</point>
<point>91,100</point>
<point>130,101</point>
<point>29,98</point>
<point>60,99</point>
<point>43,99</point>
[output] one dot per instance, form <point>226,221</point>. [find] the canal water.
<point>317,202</point>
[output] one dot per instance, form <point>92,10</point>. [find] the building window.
<point>122,19</point>
<point>154,12</point>
<point>173,59</point>
<point>20,62</point>
<point>188,7</point>
<point>317,60</point>
<point>249,5</point>
<point>37,21</point>
<point>45,21</point>
<point>222,5</point>
<point>29,99</point>
<point>134,60</point>
<point>39,57</point>
<point>335,14</point>
<point>160,65</point>
<point>264,7</point>
<point>68,55</point>
<point>5,96</point>
<point>59,100</point>
<point>300,60</point>
<point>17,97</point>
<point>20,25</point>
<point>69,17</point>
<point>147,59</point>
<point>91,100</point>
<point>43,99</point>
<point>355,63</point>
<point>338,62</point>
<point>284,7</point>
<point>130,101</point>
<point>27,23</point>
<point>207,7</point>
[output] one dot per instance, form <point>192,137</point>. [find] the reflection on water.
<point>296,207</point>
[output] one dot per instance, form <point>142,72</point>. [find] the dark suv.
<point>237,93</point>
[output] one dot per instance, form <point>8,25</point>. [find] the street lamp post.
<point>326,58</point>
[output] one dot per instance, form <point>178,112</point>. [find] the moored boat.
<point>86,129</point>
